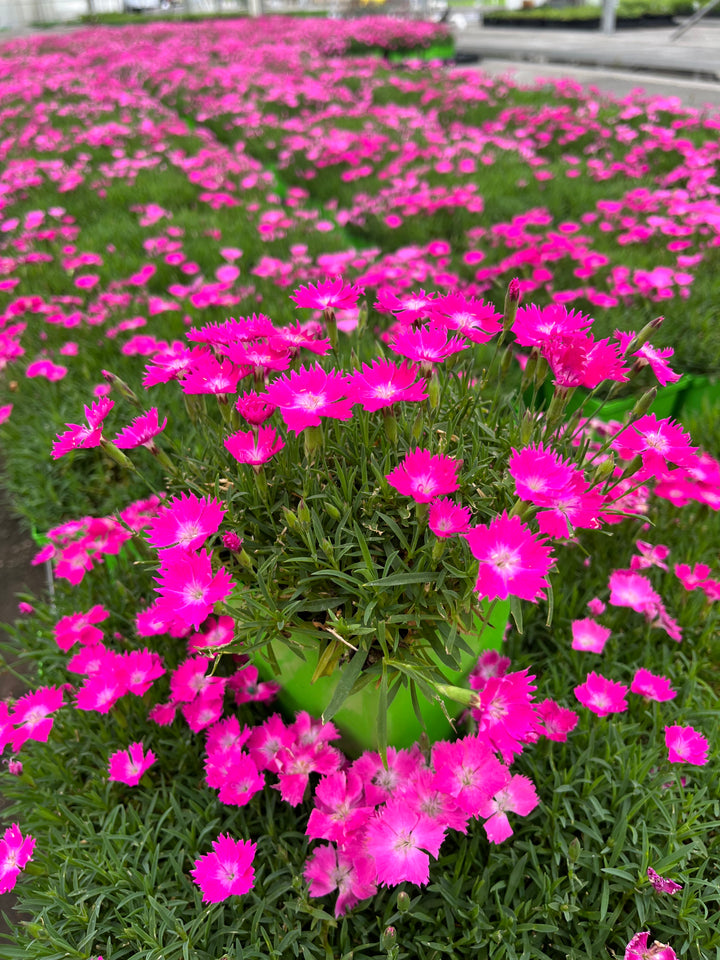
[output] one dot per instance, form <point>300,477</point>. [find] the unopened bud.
<point>605,469</point>
<point>231,541</point>
<point>331,326</point>
<point>327,548</point>
<point>506,361</point>
<point>512,299</point>
<point>332,511</point>
<point>291,520</point>
<point>391,427</point>
<point>303,513</point>
<point>434,392</point>
<point>403,902</point>
<point>389,938</point>
<point>417,427</point>
<point>526,427</point>
<point>643,404</point>
<point>574,850</point>
<point>313,437</point>
<point>116,454</point>
<point>122,388</point>
<point>530,367</point>
<point>362,319</point>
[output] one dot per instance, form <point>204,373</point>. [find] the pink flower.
<point>474,319</point>
<point>15,852</point>
<point>227,871</point>
<point>353,876</point>
<point>340,809</point>
<point>649,556</point>
<point>446,519</point>
<point>254,447</point>
<point>602,696</point>
<point>307,395</point>
<point>80,628</point>
<point>253,408</point>
<point>80,435</point>
<point>662,884</point>
<point>519,796</point>
<point>512,560</point>
<point>589,635</point>
<point>555,721</point>
<point>383,383</point>
<point>188,588</point>
<point>658,441</point>
<point>638,949</point>
<point>187,521</point>
<point>209,375</point>
<point>652,687</point>
<point>399,840</point>
<point>686,745</point>
<point>534,326</point>
<point>330,295</point>
<point>141,431</point>
<point>424,476</point>
<point>31,715</point>
<point>468,771</point>
<point>427,345</point>
<point>128,766</point>
<point>632,590</point>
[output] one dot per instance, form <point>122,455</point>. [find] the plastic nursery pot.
<point>357,718</point>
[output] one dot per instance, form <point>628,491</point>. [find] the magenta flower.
<point>628,589</point>
<point>383,383</point>
<point>247,446</point>
<point>227,871</point>
<point>187,521</point>
<point>330,295</point>
<point>513,561</point>
<point>686,745</point>
<point>353,876</point>
<point>638,949</point>
<point>31,715</point>
<point>474,319</point>
<point>424,476</point>
<point>83,435</point>
<point>446,519</point>
<point>427,345</point>
<point>209,375</point>
<point>469,772</point>
<point>658,441</point>
<point>80,628</point>
<point>589,635</point>
<point>555,721</point>
<point>307,395</point>
<point>602,696</point>
<point>399,840</point>
<point>141,431</point>
<point>662,884</point>
<point>652,687</point>
<point>15,852</point>
<point>519,796</point>
<point>254,409</point>
<point>340,808</point>
<point>128,766</point>
<point>188,588</point>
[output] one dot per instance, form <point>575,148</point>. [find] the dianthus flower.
<point>330,295</point>
<point>446,519</point>
<point>534,326</point>
<point>555,721</point>
<point>340,808</point>
<point>227,871</point>
<point>602,696</point>
<point>15,852</point>
<point>80,628</point>
<point>424,476</point>
<point>505,713</point>
<point>254,409</point>
<point>209,375</point>
<point>128,766</point>
<point>652,687</point>
<point>658,442</point>
<point>474,319</point>
<point>399,840</point>
<point>141,431</point>
<point>307,395</point>
<point>188,588</point>
<point>632,590</point>
<point>638,949</point>
<point>686,745</point>
<point>408,307</point>
<point>353,876</point>
<point>513,562</point>
<point>84,435</point>
<point>468,771</point>
<point>254,448</point>
<point>187,521</point>
<point>589,635</point>
<point>383,383</point>
<point>662,884</point>
<point>31,715</point>
<point>518,796</point>
<point>427,345</point>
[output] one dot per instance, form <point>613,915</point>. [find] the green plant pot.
<point>702,395</point>
<point>357,719</point>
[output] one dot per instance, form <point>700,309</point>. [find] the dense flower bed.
<point>156,181</point>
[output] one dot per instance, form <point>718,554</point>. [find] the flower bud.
<point>117,455</point>
<point>291,520</point>
<point>362,319</point>
<point>331,326</point>
<point>303,513</point>
<point>332,511</point>
<point>506,361</point>
<point>434,392</point>
<point>643,404</point>
<point>574,850</point>
<point>231,541</point>
<point>122,388</point>
<point>313,437</point>
<point>512,299</point>
<point>388,938</point>
<point>604,469</point>
<point>403,902</point>
<point>390,424</point>
<point>644,335</point>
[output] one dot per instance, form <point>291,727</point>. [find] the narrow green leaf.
<point>348,675</point>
